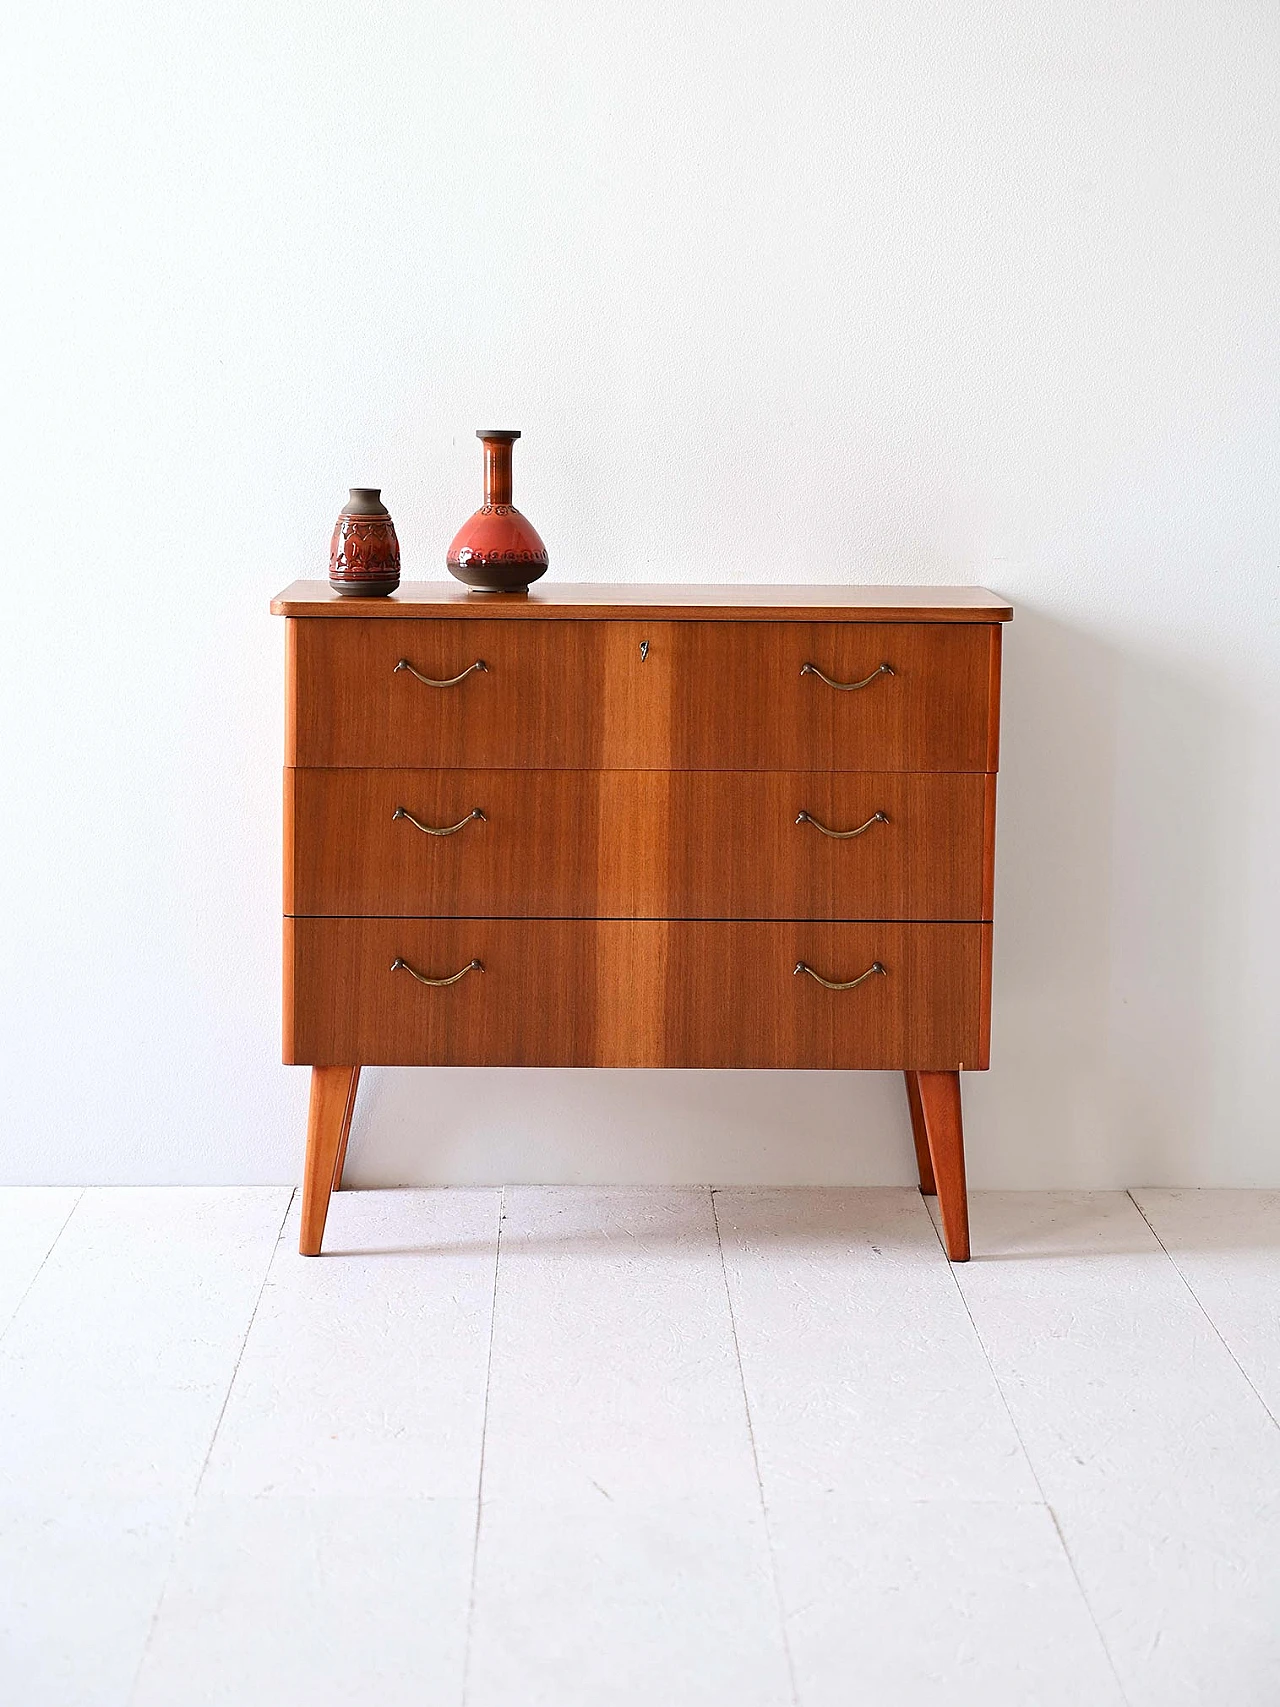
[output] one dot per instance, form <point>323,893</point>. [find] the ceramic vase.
<point>364,555</point>
<point>497,551</point>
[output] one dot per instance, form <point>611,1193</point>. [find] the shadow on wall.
<point>1122,914</point>
<point>1118,923</point>
<point>540,1125</point>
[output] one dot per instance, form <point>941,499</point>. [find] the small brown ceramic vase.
<point>497,551</point>
<point>364,556</point>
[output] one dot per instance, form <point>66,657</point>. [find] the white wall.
<point>892,291</point>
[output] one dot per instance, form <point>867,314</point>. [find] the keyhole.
<point>644,650</point>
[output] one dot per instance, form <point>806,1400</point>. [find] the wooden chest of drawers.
<point>641,827</point>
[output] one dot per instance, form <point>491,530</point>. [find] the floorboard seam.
<point>13,1315</point>
<point>755,1458</point>
<point>244,1340</point>
<point>484,1435</point>
<point>1203,1311</point>
<point>1035,1474</point>
<point>180,1529</point>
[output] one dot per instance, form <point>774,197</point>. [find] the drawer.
<point>621,695</point>
<point>634,993</point>
<point>833,696</point>
<point>637,844</point>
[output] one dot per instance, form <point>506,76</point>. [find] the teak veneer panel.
<point>638,892</point>
<point>662,695</point>
<point>333,1096</point>
<point>632,993</point>
<point>560,600</point>
<point>636,844</point>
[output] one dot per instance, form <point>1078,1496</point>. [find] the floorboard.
<point>1226,1246</point>
<point>756,1448</point>
<point>365,1369</point>
<point>912,1604</point>
<point>613,1368</point>
<point>327,1602</point>
<point>1158,1459</point>
<point>31,1218</point>
<point>115,1369</point>
<point>624,1599</point>
<point>113,1374</point>
<point>862,1368</point>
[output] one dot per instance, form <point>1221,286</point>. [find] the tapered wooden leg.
<point>346,1131</point>
<point>940,1102</point>
<point>332,1095</point>
<point>923,1163</point>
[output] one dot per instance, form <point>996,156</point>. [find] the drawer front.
<point>834,696</point>
<point>620,695</point>
<point>636,844</point>
<point>635,993</point>
<point>512,693</point>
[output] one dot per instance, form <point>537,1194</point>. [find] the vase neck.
<point>497,466</point>
<point>365,501</point>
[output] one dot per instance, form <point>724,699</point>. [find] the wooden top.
<point>567,601</point>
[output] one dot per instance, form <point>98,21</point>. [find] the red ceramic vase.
<point>364,555</point>
<point>497,551</point>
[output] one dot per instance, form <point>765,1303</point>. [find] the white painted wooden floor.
<point>669,1448</point>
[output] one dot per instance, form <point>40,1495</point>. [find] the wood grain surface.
<point>565,599</point>
<point>649,695</point>
<point>616,993</point>
<point>920,1136</point>
<point>636,844</point>
<point>944,1126</point>
<point>333,1091</point>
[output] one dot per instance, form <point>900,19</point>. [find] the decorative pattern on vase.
<point>498,550</point>
<point>364,554</point>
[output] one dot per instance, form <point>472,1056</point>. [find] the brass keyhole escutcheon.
<point>644,650</point>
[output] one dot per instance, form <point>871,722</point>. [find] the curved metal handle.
<point>847,687</point>
<point>445,830</point>
<point>452,682</point>
<point>871,971</point>
<point>398,965</point>
<point>842,835</point>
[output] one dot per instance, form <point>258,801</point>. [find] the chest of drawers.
<point>641,827</point>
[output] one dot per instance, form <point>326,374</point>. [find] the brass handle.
<point>842,835</point>
<point>452,682</point>
<point>853,983</point>
<point>847,687</point>
<point>445,830</point>
<point>398,965</point>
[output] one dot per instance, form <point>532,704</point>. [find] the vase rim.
<point>365,504</point>
<point>509,434</point>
